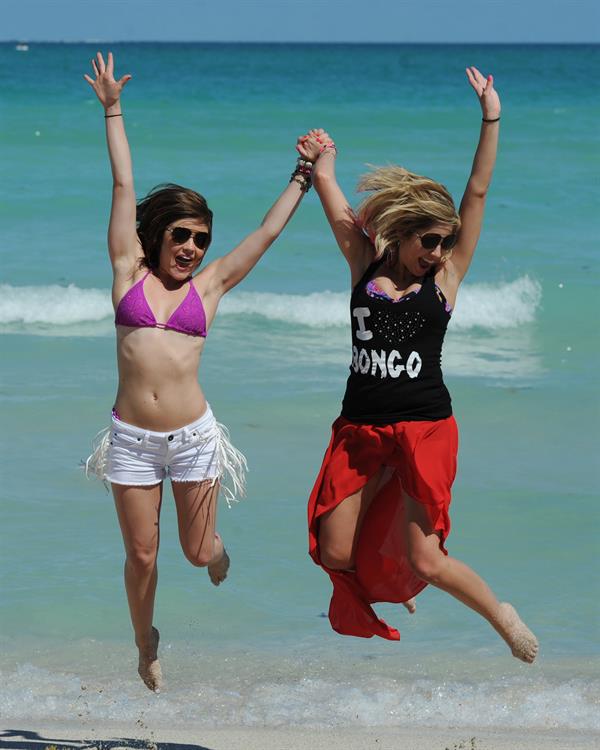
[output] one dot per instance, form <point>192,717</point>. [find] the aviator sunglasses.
<point>431,241</point>
<point>181,235</point>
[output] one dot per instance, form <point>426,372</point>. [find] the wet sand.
<point>109,736</point>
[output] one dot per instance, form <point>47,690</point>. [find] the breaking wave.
<point>50,308</point>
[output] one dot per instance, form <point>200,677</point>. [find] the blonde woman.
<point>378,513</point>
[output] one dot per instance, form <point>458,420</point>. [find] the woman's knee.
<point>336,556</point>
<point>201,556</point>
<point>142,559</point>
<point>427,564</point>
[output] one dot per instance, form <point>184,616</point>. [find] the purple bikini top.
<point>134,311</point>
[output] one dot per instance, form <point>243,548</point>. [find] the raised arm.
<point>356,248</point>
<point>123,243</point>
<point>473,202</point>
<point>224,273</point>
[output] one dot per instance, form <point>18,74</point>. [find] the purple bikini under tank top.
<point>135,312</point>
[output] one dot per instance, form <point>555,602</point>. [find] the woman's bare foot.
<point>149,666</point>
<point>217,570</point>
<point>521,641</point>
<point>411,605</point>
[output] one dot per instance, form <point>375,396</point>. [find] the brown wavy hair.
<point>163,205</point>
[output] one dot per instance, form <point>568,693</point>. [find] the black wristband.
<point>119,115</point>
<point>495,119</point>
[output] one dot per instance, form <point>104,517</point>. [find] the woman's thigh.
<point>339,529</point>
<point>138,511</point>
<point>422,542</point>
<point>196,504</point>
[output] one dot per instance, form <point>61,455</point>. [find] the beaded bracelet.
<point>303,174</point>
<point>326,146</point>
<point>303,180</point>
<point>304,166</point>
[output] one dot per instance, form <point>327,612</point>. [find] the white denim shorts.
<point>129,455</point>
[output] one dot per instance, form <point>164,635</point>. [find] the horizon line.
<point>360,43</point>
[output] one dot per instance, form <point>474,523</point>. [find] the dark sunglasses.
<point>181,235</point>
<point>431,241</point>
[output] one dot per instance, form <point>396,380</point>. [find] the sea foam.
<point>487,306</point>
<point>52,305</point>
<point>31,692</point>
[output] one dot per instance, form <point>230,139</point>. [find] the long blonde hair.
<point>400,204</point>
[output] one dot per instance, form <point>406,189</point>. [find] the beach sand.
<point>109,736</point>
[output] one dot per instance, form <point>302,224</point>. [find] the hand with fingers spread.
<point>107,89</point>
<point>487,94</point>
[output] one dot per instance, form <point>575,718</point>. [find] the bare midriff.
<point>158,378</point>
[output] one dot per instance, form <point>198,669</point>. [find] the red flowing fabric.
<point>423,455</point>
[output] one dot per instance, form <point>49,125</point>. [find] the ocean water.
<point>521,361</point>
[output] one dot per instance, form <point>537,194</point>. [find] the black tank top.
<point>396,372</point>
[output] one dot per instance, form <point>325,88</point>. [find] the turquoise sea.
<point>521,361</point>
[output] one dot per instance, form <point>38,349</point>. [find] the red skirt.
<point>423,455</point>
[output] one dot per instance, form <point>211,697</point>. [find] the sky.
<point>388,21</point>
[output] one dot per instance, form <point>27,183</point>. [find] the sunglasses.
<point>431,241</point>
<point>181,235</point>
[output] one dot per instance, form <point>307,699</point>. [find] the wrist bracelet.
<point>331,146</point>
<point>302,179</point>
<point>305,185</point>
<point>303,174</point>
<point>304,165</point>
<point>495,119</point>
<point>119,115</point>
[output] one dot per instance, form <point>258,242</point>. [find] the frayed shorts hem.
<point>212,480</point>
